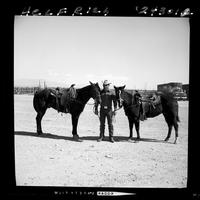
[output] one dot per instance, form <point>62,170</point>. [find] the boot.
<point>111,130</point>
<point>112,139</point>
<point>101,138</point>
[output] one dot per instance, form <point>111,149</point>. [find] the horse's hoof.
<point>166,139</point>
<point>39,132</point>
<point>130,139</point>
<point>175,141</point>
<point>76,138</point>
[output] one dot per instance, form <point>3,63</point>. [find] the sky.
<point>139,52</point>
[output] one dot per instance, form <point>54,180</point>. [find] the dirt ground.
<point>54,159</point>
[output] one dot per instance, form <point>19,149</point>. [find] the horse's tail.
<point>38,102</point>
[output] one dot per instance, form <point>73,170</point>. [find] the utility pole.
<point>45,84</point>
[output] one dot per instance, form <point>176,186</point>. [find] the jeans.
<point>106,113</point>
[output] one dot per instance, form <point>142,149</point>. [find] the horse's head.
<point>95,92</point>
<point>119,92</point>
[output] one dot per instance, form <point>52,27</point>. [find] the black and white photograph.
<point>101,101</point>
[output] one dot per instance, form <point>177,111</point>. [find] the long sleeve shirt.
<point>107,99</point>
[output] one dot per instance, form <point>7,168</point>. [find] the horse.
<point>47,98</point>
<point>166,105</point>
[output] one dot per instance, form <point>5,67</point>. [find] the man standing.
<point>106,111</point>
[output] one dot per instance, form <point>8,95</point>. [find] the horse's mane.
<point>83,89</point>
<point>129,95</point>
<point>78,89</point>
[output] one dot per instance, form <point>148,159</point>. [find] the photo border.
<point>125,10</point>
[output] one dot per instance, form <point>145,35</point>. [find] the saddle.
<point>155,100</point>
<point>68,95</point>
<point>153,108</point>
<point>64,98</point>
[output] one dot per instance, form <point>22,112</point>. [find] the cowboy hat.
<point>106,82</point>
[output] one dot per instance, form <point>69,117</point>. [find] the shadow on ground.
<point>44,135</point>
<point>91,138</point>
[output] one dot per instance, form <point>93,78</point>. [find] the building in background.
<point>29,89</point>
<point>185,88</point>
<point>176,88</point>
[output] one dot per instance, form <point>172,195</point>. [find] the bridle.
<point>121,100</point>
<point>97,96</point>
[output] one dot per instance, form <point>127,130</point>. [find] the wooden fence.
<point>25,90</point>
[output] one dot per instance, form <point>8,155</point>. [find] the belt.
<point>105,107</point>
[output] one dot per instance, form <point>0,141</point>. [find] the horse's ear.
<point>115,87</point>
<point>123,86</point>
<point>91,83</point>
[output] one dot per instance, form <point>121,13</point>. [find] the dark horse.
<point>46,98</point>
<point>167,105</point>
